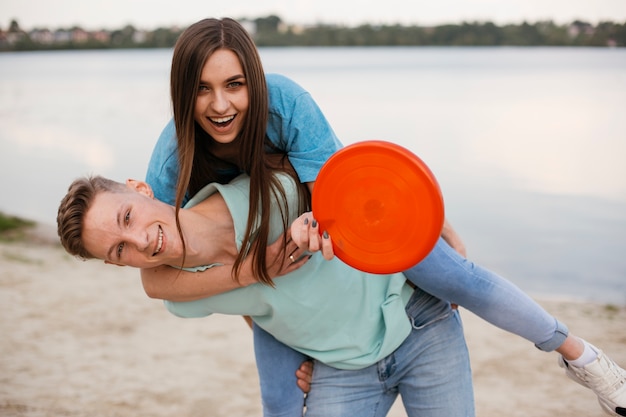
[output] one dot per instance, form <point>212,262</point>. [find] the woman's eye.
<point>235,84</point>
<point>120,248</point>
<point>127,217</point>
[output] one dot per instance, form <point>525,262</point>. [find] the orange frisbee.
<point>381,205</point>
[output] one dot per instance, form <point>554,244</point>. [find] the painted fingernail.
<point>325,234</point>
<point>314,224</point>
<point>306,221</point>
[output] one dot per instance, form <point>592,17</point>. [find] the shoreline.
<point>83,339</point>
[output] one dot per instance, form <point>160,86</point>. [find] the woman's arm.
<point>167,283</point>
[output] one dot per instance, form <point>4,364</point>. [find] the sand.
<point>83,339</point>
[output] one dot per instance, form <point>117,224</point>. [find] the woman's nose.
<point>220,103</point>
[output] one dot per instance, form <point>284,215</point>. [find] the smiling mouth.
<point>159,242</point>
<point>222,121</point>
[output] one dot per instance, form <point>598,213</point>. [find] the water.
<point>527,143</point>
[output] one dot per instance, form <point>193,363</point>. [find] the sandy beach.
<point>83,339</point>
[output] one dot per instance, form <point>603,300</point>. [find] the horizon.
<point>457,23</point>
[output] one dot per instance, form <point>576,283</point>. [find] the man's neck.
<point>209,232</point>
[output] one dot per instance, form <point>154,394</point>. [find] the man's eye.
<point>120,248</point>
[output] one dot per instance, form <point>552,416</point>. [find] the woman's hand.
<point>306,235</point>
<point>282,259</point>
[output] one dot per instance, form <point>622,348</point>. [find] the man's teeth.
<point>222,119</point>
<point>159,243</point>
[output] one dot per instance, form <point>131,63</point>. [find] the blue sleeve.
<point>163,166</point>
<point>297,125</point>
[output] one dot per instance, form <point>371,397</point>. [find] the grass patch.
<point>13,257</point>
<point>12,228</point>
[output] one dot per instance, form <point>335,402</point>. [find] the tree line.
<point>272,31</point>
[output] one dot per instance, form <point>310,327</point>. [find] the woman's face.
<point>223,100</point>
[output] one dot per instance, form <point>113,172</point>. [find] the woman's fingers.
<point>314,236</point>
<point>300,230</point>
<point>327,246</point>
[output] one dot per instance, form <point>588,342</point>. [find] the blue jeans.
<point>277,364</point>
<point>444,274</point>
<point>430,370</point>
<point>447,275</point>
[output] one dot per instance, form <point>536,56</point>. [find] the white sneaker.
<point>605,378</point>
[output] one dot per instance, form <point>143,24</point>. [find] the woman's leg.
<point>449,276</point>
<point>277,365</point>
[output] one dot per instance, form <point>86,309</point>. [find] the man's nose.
<point>140,240</point>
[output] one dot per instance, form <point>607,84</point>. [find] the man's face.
<point>131,228</point>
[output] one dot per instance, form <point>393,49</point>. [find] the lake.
<point>527,143</point>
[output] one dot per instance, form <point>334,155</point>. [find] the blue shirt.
<point>295,125</point>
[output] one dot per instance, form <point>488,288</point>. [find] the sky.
<point>151,14</point>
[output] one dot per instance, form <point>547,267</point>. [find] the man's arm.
<point>167,283</point>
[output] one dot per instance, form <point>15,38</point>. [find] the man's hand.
<point>452,237</point>
<point>305,376</point>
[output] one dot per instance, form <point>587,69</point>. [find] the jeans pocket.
<point>424,309</point>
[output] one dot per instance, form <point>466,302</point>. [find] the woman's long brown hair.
<point>198,166</point>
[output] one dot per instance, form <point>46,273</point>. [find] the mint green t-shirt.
<point>327,310</point>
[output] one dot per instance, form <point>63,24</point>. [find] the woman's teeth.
<point>222,120</point>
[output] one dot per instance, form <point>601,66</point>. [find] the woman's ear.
<point>141,187</point>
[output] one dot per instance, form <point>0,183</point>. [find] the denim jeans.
<point>449,276</point>
<point>444,274</point>
<point>430,371</point>
<point>277,364</point>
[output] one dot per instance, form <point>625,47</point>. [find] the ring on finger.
<point>292,258</point>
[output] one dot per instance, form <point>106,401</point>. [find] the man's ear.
<point>141,187</point>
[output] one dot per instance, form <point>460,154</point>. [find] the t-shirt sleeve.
<point>313,140</point>
<point>162,171</point>
<point>298,126</point>
<point>189,309</point>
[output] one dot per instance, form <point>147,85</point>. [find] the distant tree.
<point>271,31</point>
<point>269,24</point>
<point>162,38</point>
<point>14,27</point>
<point>123,38</point>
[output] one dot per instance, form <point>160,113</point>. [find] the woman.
<point>228,118</point>
<point>372,336</point>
